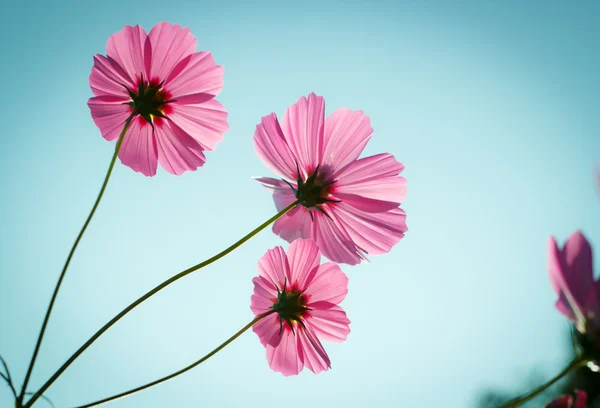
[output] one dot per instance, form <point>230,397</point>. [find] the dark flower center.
<point>290,306</point>
<point>314,191</point>
<point>149,100</point>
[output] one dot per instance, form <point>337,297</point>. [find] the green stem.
<point>577,362</point>
<point>8,378</point>
<point>183,370</point>
<point>151,293</point>
<point>64,270</point>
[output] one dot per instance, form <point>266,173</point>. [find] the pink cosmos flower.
<point>568,401</point>
<point>168,88</point>
<point>305,297</point>
<point>349,205</point>
<point>572,277</point>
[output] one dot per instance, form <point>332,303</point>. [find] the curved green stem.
<point>8,378</point>
<point>48,400</point>
<point>183,370</point>
<point>68,261</point>
<point>577,362</point>
<point>151,293</point>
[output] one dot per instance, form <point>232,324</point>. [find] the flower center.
<point>314,191</point>
<point>290,306</point>
<point>149,100</point>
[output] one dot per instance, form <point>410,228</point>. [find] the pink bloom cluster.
<point>158,93</point>
<point>346,207</point>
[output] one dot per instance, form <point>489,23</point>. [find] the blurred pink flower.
<point>572,277</point>
<point>169,88</point>
<point>349,205</point>
<point>305,295</point>
<point>568,401</point>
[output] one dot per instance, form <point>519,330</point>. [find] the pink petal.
<point>195,74</point>
<point>205,122</point>
<point>272,148</point>
<point>178,152</point>
<point>264,288</point>
<point>346,135</point>
<point>370,168</point>
<point>314,355</point>
<point>259,304</point>
<point>109,114</point>
<point>571,276</point>
<point>565,401</point>
<point>333,240</point>
<point>138,150</point>
<point>374,233</point>
<point>170,43</point>
<point>577,255</point>
<point>194,99</point>
<point>274,266</point>
<point>267,330</point>
<point>275,186</point>
<point>330,324</point>
<point>555,268</point>
<point>294,224</point>
<point>327,284</point>
<point>596,291</point>
<point>303,257</point>
<point>581,399</point>
<point>556,275</point>
<point>302,126</point>
<point>284,357</point>
<point>126,48</point>
<point>563,307</point>
<point>282,193</point>
<point>108,78</point>
<point>372,183</point>
<point>265,295</point>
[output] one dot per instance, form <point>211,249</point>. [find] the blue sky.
<point>492,106</point>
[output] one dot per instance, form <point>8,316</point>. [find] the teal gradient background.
<point>492,105</point>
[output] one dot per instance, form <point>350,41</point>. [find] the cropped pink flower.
<point>572,277</point>
<point>349,205</point>
<point>305,296</point>
<point>569,401</point>
<point>168,88</point>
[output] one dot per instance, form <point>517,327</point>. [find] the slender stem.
<point>64,270</point>
<point>183,370</point>
<point>151,293</point>
<point>10,384</point>
<point>577,362</point>
<point>48,400</point>
<point>8,377</point>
